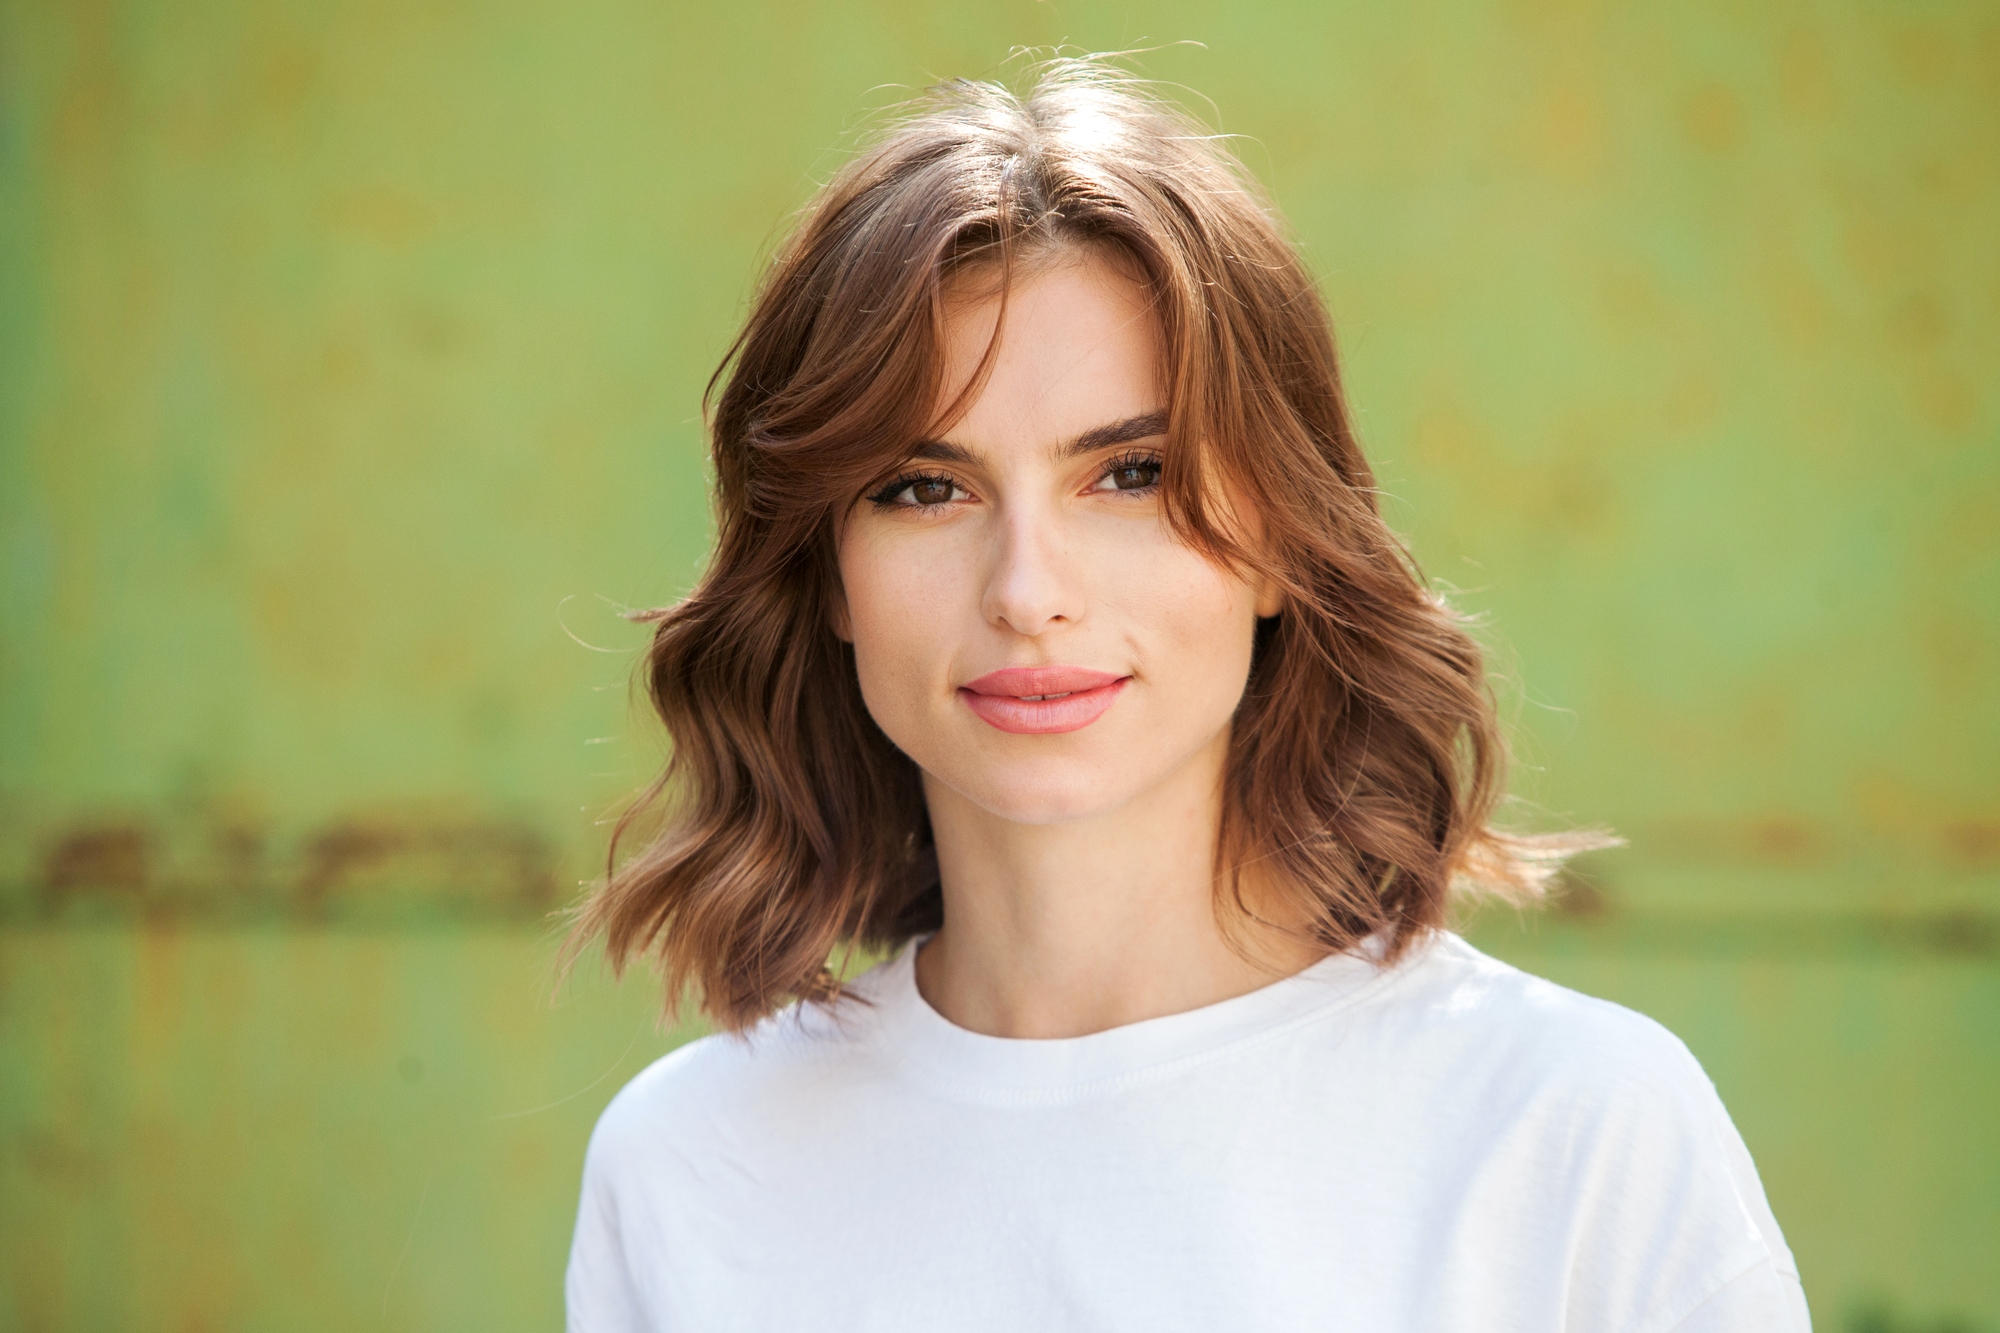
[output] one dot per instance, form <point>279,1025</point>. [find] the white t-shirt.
<point>1448,1144</point>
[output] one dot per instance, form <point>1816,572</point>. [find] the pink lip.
<point>1005,698</point>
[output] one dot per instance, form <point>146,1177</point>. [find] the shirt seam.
<point>1763,1258</point>
<point>915,1069</point>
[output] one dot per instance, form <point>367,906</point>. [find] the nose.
<point>1030,587</point>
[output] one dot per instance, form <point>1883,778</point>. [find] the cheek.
<point>896,623</point>
<point>1201,620</point>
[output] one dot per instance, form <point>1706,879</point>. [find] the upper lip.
<point>1031,682</point>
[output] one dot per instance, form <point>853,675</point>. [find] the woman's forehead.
<point>1073,348</point>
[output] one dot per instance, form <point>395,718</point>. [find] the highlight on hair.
<point>1365,759</point>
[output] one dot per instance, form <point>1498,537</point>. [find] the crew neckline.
<point>931,1046</point>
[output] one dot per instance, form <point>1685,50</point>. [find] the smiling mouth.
<point>1040,701</point>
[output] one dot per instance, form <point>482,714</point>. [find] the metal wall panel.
<point>350,360</point>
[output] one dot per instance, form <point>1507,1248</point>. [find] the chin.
<point>1044,793</point>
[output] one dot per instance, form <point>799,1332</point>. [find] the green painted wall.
<point>350,359</point>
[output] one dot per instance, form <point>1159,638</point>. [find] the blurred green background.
<point>350,359</point>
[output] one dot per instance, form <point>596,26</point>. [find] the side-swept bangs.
<point>1365,758</point>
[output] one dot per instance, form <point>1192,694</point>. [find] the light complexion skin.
<point>1063,670</point>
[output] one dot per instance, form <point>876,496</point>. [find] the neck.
<point>1060,930</point>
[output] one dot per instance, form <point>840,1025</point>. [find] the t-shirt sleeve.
<point>1675,1233</point>
<point>1762,1300</point>
<point>1769,1296</point>
<point>599,1294</point>
<point>1784,1269</point>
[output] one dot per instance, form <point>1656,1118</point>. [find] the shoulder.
<point>1603,1109</point>
<point>726,1083</point>
<point>1614,1112</point>
<point>1526,1037</point>
<point>1456,987</point>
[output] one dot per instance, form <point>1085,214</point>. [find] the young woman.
<point>1053,646</point>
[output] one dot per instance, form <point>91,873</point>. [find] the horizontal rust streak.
<point>110,857</point>
<point>353,868</point>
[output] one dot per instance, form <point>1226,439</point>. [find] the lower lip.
<point>1042,717</point>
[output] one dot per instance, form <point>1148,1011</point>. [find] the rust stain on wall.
<point>495,864</point>
<point>1714,119</point>
<point>357,867</point>
<point>113,857</point>
<point>1973,843</point>
<point>1778,840</point>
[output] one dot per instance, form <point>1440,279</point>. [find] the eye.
<point>918,491</point>
<point>1131,472</point>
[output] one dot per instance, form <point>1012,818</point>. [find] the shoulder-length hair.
<point>1365,758</point>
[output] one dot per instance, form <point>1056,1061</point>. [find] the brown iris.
<point>1135,476</point>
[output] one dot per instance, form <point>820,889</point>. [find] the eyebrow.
<point>1142,427</point>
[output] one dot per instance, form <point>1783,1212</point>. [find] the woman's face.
<point>1026,625</point>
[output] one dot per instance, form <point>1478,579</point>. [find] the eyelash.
<point>1137,458</point>
<point>886,497</point>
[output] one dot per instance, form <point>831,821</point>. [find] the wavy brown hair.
<point>1365,759</point>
